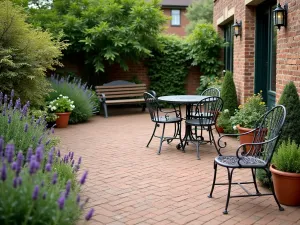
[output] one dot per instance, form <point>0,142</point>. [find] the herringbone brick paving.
<point>130,184</point>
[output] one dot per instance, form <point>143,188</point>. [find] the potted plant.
<point>285,169</point>
<point>246,117</point>
<point>62,106</point>
<point>223,122</point>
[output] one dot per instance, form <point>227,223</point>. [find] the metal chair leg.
<point>198,152</point>
<point>161,139</point>
<point>272,189</point>
<point>214,181</point>
<point>179,132</point>
<point>152,134</point>
<point>254,180</point>
<point>229,189</point>
<point>212,136</point>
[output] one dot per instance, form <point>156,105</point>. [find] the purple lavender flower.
<point>35,193</point>
<point>66,159</point>
<point>26,127</point>
<point>72,163</point>
<point>38,121</point>
<point>44,195</point>
<point>79,160</point>
<point>5,99</point>
<point>54,178</point>
<point>83,178</point>
<point>4,112</point>
<point>29,154</point>
<point>89,214</point>
<point>52,130</point>
<point>9,152</point>
<point>19,181</point>
<point>9,119</point>
<point>15,182</point>
<point>58,153</point>
<point>18,104</point>
<point>78,199</point>
<point>71,155</point>
<point>61,201</point>
<point>39,153</point>
<point>14,166</point>
<point>3,172</point>
<point>50,157</point>
<point>12,94</point>
<point>40,140</point>
<point>20,159</point>
<point>10,104</point>
<point>48,141</point>
<point>48,167</point>
<point>34,165</point>
<point>68,188</point>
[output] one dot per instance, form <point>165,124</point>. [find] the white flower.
<point>234,127</point>
<point>226,111</point>
<point>60,95</point>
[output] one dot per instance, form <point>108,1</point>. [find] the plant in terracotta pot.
<point>223,122</point>
<point>285,169</point>
<point>245,118</point>
<point>62,106</point>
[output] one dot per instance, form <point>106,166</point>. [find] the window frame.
<point>171,12</point>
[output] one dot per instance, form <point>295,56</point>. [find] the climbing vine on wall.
<point>168,68</point>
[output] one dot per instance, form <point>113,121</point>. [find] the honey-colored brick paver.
<point>130,184</point>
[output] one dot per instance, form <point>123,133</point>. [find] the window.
<point>228,50</point>
<point>175,13</point>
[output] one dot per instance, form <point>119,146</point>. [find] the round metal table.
<point>182,99</point>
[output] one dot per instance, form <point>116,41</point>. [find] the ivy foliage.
<point>204,45</point>
<point>168,68</point>
<point>110,31</point>
<point>290,99</point>
<point>25,55</point>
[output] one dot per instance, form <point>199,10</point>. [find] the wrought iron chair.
<point>204,115</point>
<point>159,116</point>
<point>255,155</point>
<point>211,92</point>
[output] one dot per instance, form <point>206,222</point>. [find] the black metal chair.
<point>211,92</point>
<point>255,155</point>
<point>204,115</point>
<point>159,116</point>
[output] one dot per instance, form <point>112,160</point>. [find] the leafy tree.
<point>200,11</point>
<point>228,93</point>
<point>290,99</point>
<point>25,55</point>
<point>110,31</point>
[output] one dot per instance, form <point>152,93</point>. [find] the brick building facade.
<point>263,57</point>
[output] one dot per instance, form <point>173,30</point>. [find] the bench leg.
<point>105,109</point>
<point>144,108</point>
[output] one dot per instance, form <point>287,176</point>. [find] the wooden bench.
<point>120,92</point>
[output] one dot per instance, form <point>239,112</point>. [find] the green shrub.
<point>18,127</point>
<point>290,99</point>
<point>287,157</point>
<point>210,82</point>
<point>77,92</point>
<point>25,55</point>
<point>168,68</point>
<point>224,122</point>
<point>228,93</point>
<point>39,193</point>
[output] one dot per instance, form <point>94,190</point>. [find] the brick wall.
<point>288,45</point>
<point>178,30</point>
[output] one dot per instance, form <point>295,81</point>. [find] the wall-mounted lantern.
<point>280,16</point>
<point>237,28</point>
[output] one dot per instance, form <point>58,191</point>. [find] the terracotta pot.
<point>62,120</point>
<point>219,129</point>
<point>248,138</point>
<point>286,186</point>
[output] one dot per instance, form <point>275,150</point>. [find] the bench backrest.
<point>121,91</point>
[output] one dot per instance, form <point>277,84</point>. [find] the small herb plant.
<point>61,104</point>
<point>287,157</point>
<point>250,112</point>
<point>224,122</point>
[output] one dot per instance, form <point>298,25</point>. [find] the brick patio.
<point>130,184</point>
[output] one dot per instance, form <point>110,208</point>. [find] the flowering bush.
<point>224,122</point>
<point>17,126</point>
<point>61,104</point>
<point>81,94</point>
<point>49,117</point>
<point>249,113</point>
<point>38,190</point>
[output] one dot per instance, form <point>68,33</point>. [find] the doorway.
<point>265,52</point>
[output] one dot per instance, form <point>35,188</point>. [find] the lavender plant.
<point>39,193</point>
<point>18,127</point>
<point>80,93</point>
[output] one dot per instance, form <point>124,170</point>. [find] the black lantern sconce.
<point>280,16</point>
<point>237,28</point>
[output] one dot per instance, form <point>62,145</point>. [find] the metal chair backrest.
<point>208,108</point>
<point>211,92</point>
<point>152,104</point>
<point>268,130</point>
